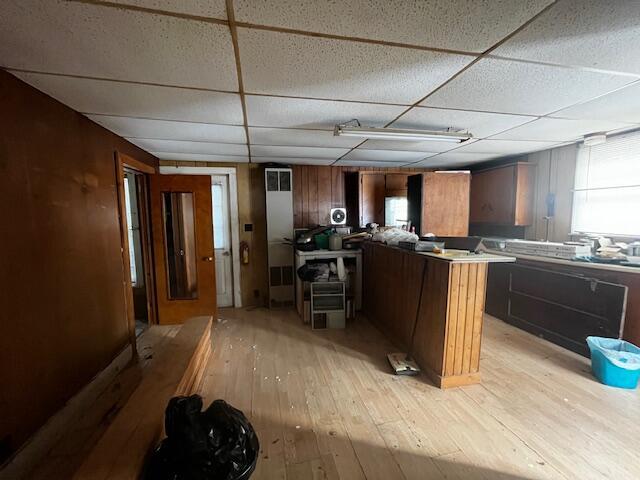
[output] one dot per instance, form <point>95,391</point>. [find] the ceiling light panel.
<point>176,146</point>
<point>292,161</point>
<point>142,101</point>
<point>303,66</point>
<point>522,88</point>
<point>169,130</point>
<point>364,155</point>
<point>504,147</point>
<point>474,26</point>
<point>299,137</point>
<point>480,124</point>
<point>557,130</point>
<point>315,114</point>
<point>89,40</point>
<point>198,8</point>
<point>620,106</point>
<point>194,157</point>
<point>589,33</point>
<point>293,152</point>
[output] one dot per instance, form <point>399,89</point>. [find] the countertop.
<point>571,263</point>
<point>458,256</point>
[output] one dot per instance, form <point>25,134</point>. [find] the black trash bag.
<point>217,444</point>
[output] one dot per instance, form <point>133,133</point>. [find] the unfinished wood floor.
<point>325,406</point>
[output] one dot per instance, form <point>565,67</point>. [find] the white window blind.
<point>606,199</point>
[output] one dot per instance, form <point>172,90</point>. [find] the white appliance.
<point>279,209</point>
<point>338,216</point>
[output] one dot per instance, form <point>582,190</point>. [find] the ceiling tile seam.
<point>206,142</point>
<point>153,11</point>
<point>324,99</point>
<point>162,152</point>
<point>117,80</point>
<point>156,119</point>
<point>470,64</point>
<point>579,68</point>
<point>626,85</point>
<point>292,97</point>
<point>236,52</point>
<point>346,38</point>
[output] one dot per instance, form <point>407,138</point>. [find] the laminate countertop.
<point>571,263</point>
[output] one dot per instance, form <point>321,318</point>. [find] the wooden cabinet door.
<point>372,190</point>
<point>182,231</point>
<point>396,184</point>
<point>492,196</point>
<point>445,204</point>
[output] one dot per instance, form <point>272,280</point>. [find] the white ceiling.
<point>520,75</point>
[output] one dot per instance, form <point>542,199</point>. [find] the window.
<point>395,211</point>
<point>606,198</point>
<point>130,228</point>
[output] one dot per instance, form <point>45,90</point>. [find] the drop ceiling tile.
<point>480,124</point>
<point>176,146</point>
<point>315,114</point>
<point>300,137</point>
<point>385,155</point>
<point>454,159</point>
<point>293,161</point>
<point>168,130</point>
<point>468,26</point>
<point>297,65</point>
<point>199,8</point>
<point>504,147</point>
<point>133,100</point>
<point>496,85</point>
<point>620,106</point>
<point>368,163</point>
<point>557,130</point>
<point>194,157</point>
<point>589,33</point>
<point>294,151</point>
<point>401,145</point>
<point>90,40</point>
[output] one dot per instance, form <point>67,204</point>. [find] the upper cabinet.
<point>438,203</point>
<point>503,195</point>
<point>396,184</point>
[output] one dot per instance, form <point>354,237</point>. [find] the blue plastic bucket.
<point>615,362</point>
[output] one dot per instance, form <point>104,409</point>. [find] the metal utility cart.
<point>327,305</point>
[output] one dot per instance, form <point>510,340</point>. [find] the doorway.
<point>226,229</point>
<point>134,201</point>
<point>222,239</point>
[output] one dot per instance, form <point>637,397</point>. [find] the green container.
<point>322,241</point>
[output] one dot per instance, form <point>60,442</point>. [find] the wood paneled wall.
<point>318,189</point>
<point>61,274</point>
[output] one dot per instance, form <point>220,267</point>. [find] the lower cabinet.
<point>563,307</point>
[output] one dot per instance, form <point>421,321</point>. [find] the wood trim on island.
<point>448,334</point>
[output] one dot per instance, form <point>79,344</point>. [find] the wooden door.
<point>182,230</point>
<point>372,189</point>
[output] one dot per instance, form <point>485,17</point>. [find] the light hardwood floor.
<point>325,405</point>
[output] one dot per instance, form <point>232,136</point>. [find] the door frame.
<point>122,162</point>
<point>233,214</point>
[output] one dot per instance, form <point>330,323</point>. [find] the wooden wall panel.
<point>61,273</point>
<point>318,189</point>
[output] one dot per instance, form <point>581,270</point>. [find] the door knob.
<point>207,259</point>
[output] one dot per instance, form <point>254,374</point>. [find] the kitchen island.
<point>430,305</point>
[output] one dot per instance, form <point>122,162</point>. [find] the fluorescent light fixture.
<point>400,134</point>
<point>595,139</point>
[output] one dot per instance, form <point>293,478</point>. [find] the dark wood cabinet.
<point>396,184</point>
<point>503,195</point>
<point>438,202</point>
<point>560,305</point>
